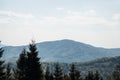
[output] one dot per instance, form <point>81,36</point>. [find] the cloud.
<point>15,14</point>
<point>83,20</point>
<point>14,17</point>
<point>116,16</point>
<point>91,13</point>
<point>72,18</point>
<point>70,25</point>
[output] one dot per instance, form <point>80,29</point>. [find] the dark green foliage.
<point>90,76</point>
<point>103,65</point>
<point>74,73</point>
<point>97,76</point>
<point>47,73</point>
<point>21,70</point>
<point>58,72</point>
<point>66,77</point>
<point>2,73</point>
<point>51,76</point>
<point>28,65</point>
<point>78,75</point>
<point>116,73</point>
<point>8,75</point>
<point>93,76</point>
<point>34,71</point>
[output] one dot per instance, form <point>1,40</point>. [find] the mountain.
<point>63,51</point>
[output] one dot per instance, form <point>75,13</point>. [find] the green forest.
<point>29,67</point>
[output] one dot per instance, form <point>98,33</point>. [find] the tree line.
<point>29,67</point>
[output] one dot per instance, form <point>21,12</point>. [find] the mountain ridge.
<point>64,51</point>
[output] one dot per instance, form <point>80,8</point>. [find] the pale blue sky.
<point>96,22</point>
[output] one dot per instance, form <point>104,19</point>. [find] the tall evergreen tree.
<point>51,77</point>
<point>21,70</point>
<point>2,73</point>
<point>78,75</point>
<point>34,71</point>
<point>47,73</point>
<point>58,72</point>
<point>74,73</point>
<point>8,73</point>
<point>97,76</point>
<point>90,76</point>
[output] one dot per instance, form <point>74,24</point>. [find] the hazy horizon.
<point>88,21</point>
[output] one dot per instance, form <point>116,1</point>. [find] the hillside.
<point>104,65</point>
<point>63,51</point>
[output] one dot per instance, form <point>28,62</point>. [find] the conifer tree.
<point>21,70</point>
<point>47,73</point>
<point>74,73</point>
<point>90,76</point>
<point>51,76</point>
<point>2,73</point>
<point>77,75</point>
<point>97,76</point>
<point>8,73</point>
<point>34,71</point>
<point>58,72</point>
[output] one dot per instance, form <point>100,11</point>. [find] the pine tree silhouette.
<point>2,73</point>
<point>51,77</point>
<point>34,71</point>
<point>74,73</point>
<point>47,73</point>
<point>97,76</point>
<point>8,74</point>
<point>90,76</point>
<point>21,70</point>
<point>58,72</point>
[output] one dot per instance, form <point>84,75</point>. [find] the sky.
<point>95,22</point>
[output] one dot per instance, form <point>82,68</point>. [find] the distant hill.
<point>62,51</point>
<point>104,65</point>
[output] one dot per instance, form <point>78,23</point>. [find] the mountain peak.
<point>63,41</point>
<point>66,40</point>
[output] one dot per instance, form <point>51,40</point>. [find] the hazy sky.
<point>95,22</point>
